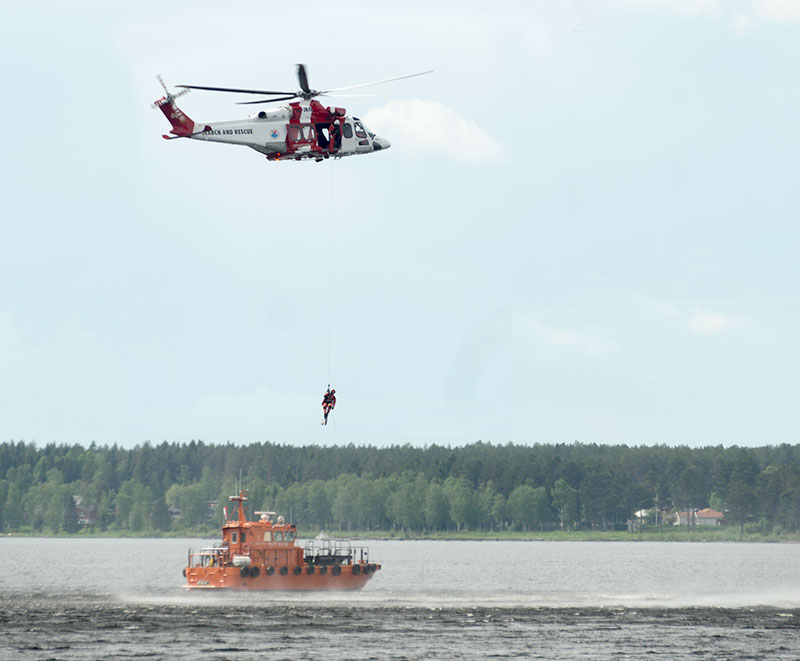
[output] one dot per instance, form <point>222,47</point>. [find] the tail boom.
<point>182,124</point>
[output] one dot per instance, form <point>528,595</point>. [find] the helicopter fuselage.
<point>296,131</point>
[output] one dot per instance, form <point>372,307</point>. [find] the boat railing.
<point>334,552</point>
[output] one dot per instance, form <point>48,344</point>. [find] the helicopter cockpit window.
<point>360,132</point>
<point>366,128</point>
<point>348,130</point>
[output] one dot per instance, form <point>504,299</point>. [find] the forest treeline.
<point>480,486</point>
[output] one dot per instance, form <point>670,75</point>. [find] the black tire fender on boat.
<point>254,572</point>
<point>323,570</point>
<point>184,572</point>
<point>297,570</point>
<point>270,571</point>
<point>356,570</point>
<point>336,570</point>
<point>310,570</point>
<point>284,571</point>
<point>244,572</point>
<point>367,569</point>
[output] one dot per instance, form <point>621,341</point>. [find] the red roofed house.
<point>704,517</point>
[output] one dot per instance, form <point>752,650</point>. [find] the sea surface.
<point>122,599</point>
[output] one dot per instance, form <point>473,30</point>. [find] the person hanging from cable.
<point>328,403</point>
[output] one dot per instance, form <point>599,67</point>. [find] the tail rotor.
<point>182,124</point>
<point>168,97</point>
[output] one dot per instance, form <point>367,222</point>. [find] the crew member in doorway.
<point>336,134</point>
<point>328,402</point>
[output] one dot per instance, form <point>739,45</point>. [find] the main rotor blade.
<point>354,96</point>
<point>280,98</point>
<point>231,89</point>
<point>376,82</point>
<point>301,75</point>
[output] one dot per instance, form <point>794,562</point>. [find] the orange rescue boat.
<point>264,555</point>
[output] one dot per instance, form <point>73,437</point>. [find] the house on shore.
<point>705,517</point>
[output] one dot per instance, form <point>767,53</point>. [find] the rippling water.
<point>121,599</point>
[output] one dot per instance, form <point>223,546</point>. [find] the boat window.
<point>243,535</point>
<point>290,535</point>
<point>277,536</point>
<point>268,536</point>
<point>233,537</point>
<point>360,132</point>
<point>348,130</point>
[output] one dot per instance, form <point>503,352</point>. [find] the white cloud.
<point>701,322</point>
<point>662,307</point>
<point>682,7</point>
<point>429,128</point>
<point>742,16</point>
<point>712,323</point>
<point>765,11</point>
<point>778,11</point>
<point>546,341</point>
<point>742,22</point>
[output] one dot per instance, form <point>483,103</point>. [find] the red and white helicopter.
<point>298,130</point>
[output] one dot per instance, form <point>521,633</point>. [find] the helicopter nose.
<point>379,143</point>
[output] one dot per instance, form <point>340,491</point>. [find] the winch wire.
<point>330,276</point>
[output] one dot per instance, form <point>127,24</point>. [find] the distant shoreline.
<point>705,536</point>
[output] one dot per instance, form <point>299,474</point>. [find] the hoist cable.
<point>330,294</point>
<point>330,276</point>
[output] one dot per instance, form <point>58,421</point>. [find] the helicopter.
<point>301,129</point>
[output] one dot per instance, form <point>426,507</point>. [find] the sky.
<point>585,228</point>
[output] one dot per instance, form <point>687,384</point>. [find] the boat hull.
<point>230,578</point>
